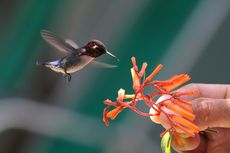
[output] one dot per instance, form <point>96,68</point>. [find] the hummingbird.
<point>76,57</point>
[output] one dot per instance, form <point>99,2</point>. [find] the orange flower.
<point>155,71</point>
<point>176,81</point>
<point>113,113</point>
<point>118,107</point>
<point>177,112</point>
<point>136,80</point>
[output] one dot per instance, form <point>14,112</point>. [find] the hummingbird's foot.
<point>69,77</point>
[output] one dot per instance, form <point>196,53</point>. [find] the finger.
<point>219,141</point>
<point>216,91</point>
<point>195,144</point>
<point>211,112</point>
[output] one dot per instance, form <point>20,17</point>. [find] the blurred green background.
<point>41,113</point>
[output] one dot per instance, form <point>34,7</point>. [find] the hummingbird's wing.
<point>60,44</point>
<point>102,64</point>
<point>72,43</point>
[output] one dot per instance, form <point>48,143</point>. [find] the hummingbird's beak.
<point>112,55</point>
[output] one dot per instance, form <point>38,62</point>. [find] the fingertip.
<point>161,118</point>
<point>196,144</point>
<point>154,118</point>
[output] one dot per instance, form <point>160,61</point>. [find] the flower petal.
<point>176,81</point>
<point>136,80</point>
<point>121,95</point>
<point>155,71</point>
<point>113,113</point>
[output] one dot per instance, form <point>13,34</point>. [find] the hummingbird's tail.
<point>40,63</point>
<point>48,63</point>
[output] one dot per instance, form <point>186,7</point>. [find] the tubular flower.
<point>176,112</point>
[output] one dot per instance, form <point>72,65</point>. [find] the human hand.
<point>212,109</point>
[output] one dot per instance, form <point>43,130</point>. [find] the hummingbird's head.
<point>95,48</point>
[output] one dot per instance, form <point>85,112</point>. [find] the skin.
<point>212,109</point>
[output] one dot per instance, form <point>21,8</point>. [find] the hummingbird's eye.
<point>96,44</point>
<point>91,44</point>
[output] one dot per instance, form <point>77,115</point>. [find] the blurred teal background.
<point>41,113</point>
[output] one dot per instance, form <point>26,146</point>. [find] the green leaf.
<point>166,142</point>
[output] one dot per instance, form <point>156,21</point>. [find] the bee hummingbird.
<point>76,58</point>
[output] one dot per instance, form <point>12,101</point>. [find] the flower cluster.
<point>177,112</point>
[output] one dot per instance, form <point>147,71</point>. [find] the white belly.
<point>56,68</point>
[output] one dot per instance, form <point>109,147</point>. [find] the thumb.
<point>211,112</point>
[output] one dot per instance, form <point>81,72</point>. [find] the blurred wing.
<point>60,44</point>
<point>71,43</point>
<point>101,64</point>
